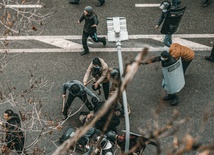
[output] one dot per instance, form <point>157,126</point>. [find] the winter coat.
<point>104,72</point>
<point>90,20</point>
<point>83,89</point>
<point>176,50</point>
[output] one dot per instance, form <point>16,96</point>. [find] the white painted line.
<point>77,37</point>
<point>53,50</point>
<point>147,5</point>
<point>97,50</point>
<point>145,36</point>
<point>23,6</point>
<point>59,42</point>
<point>189,43</point>
<point>184,42</point>
<point>65,45</point>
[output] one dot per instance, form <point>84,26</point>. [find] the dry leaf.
<point>34,28</point>
<point>8,15</point>
<point>23,1</point>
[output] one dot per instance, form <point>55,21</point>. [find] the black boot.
<point>174,101</point>
<point>104,41</point>
<point>169,97</point>
<point>84,52</point>
<point>100,3</point>
<point>209,58</point>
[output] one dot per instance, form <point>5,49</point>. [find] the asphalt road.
<point>144,92</point>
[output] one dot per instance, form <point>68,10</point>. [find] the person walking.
<point>76,89</point>
<point>98,68</point>
<point>211,57</point>
<point>165,6</point>
<point>14,136</point>
<point>90,28</point>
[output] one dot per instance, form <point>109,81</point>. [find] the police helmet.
<point>165,5</point>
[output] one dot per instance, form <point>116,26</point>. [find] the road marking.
<point>53,50</point>
<point>23,6</point>
<point>147,5</point>
<point>65,43</point>
<point>59,42</point>
<point>184,42</point>
<point>76,37</point>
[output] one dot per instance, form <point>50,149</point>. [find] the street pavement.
<point>48,59</point>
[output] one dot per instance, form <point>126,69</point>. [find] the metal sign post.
<point>117,32</point>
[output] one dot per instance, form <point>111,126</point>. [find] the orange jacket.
<point>176,50</point>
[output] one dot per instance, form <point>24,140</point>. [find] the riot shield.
<point>173,77</point>
<point>172,20</point>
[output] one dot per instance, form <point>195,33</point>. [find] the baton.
<point>63,103</point>
<point>89,81</point>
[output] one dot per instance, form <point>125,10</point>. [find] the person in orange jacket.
<point>177,50</point>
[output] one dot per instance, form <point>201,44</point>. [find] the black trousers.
<point>16,142</point>
<point>70,100</point>
<point>93,36</point>
<point>185,65</point>
<point>106,86</point>
<point>100,124</point>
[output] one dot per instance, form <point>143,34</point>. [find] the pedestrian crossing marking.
<point>67,44</point>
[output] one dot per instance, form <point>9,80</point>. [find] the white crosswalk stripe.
<point>21,6</point>
<point>147,5</point>
<point>67,43</point>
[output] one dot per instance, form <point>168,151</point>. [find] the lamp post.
<point>117,32</point>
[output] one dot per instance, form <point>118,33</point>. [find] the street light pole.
<point>117,32</point>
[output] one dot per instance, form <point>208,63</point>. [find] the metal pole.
<point>120,60</point>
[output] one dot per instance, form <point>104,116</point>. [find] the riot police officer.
<point>166,60</point>
<point>165,6</point>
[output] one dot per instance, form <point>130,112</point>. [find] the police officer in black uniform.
<point>166,60</point>
<point>90,28</point>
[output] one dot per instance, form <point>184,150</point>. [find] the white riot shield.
<point>173,77</point>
